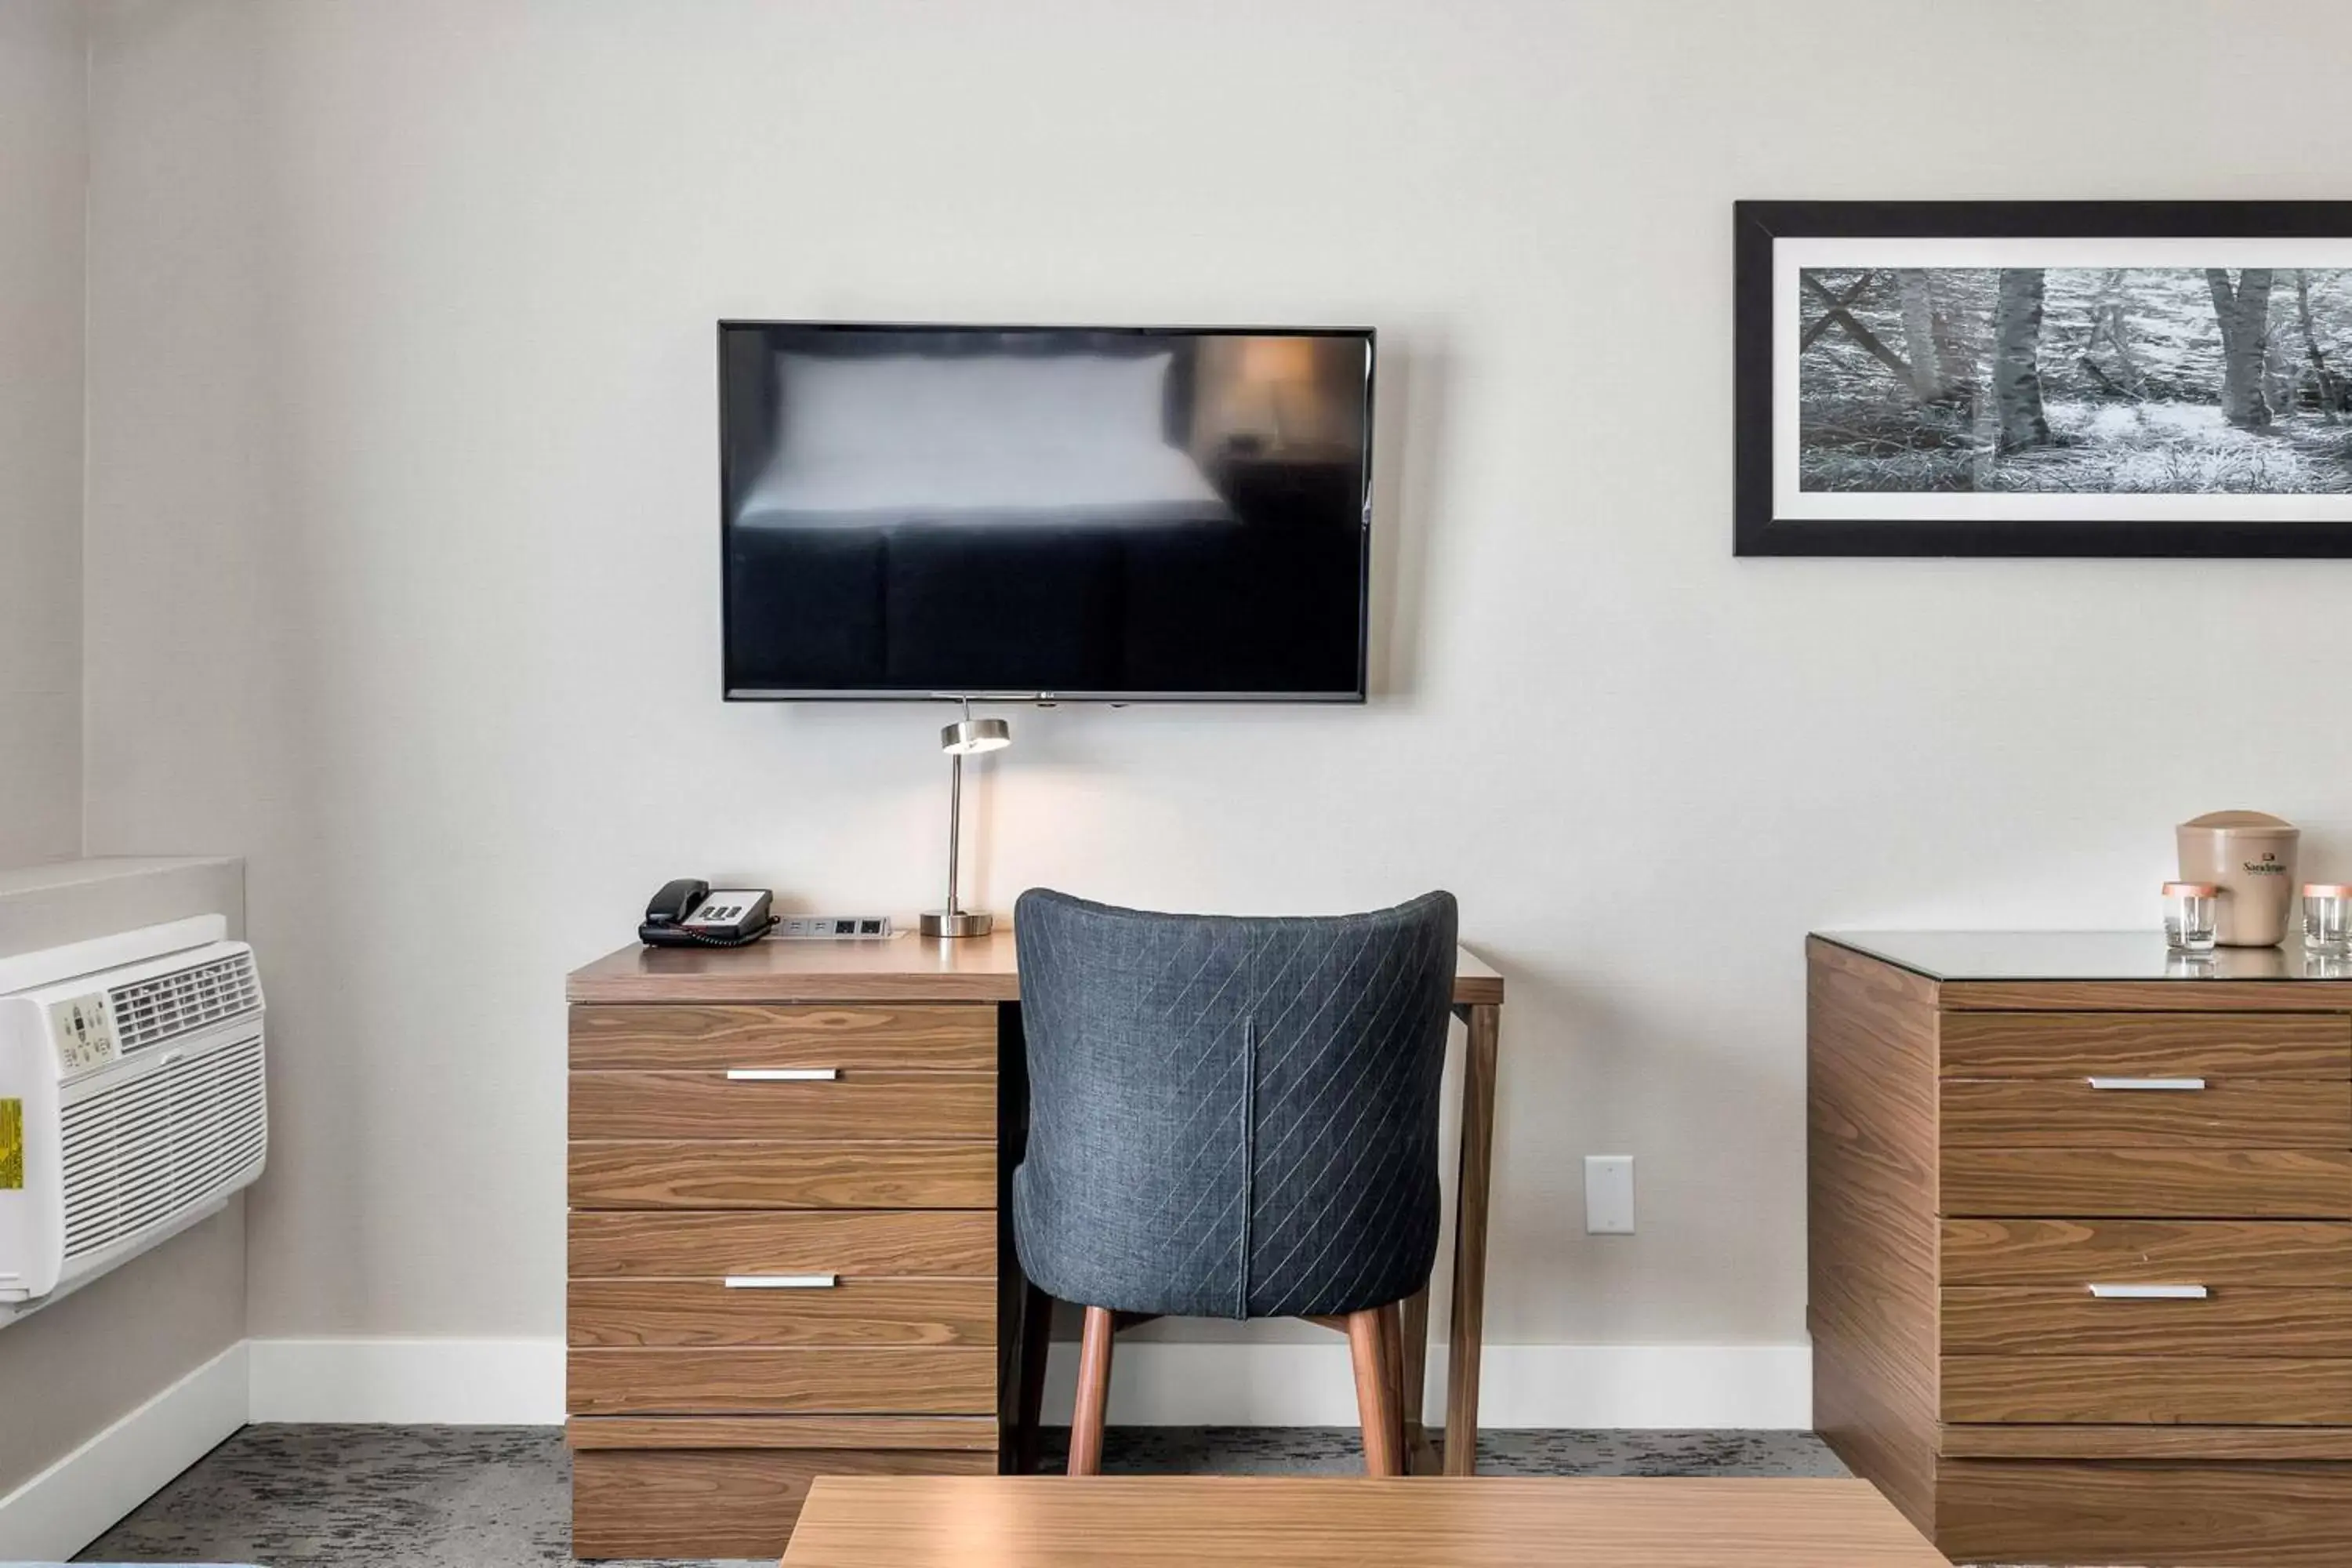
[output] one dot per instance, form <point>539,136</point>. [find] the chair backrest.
<point>1231,1117</point>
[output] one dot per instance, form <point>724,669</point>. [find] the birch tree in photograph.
<point>2329,398</point>
<point>2244,313</point>
<point>2016,370</point>
<point>1930,382</point>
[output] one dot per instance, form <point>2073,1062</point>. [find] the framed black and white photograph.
<point>2045,378</point>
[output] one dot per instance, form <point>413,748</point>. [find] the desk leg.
<point>1470,1189</point>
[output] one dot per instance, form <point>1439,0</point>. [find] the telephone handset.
<point>690,913</point>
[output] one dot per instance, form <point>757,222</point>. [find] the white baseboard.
<point>1154,1383</point>
<point>455,1382</point>
<point>1157,1383</point>
<point>79,1497</point>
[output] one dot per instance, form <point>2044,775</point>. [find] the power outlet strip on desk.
<point>832,928</point>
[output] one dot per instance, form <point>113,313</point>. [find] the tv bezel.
<point>1359,694</point>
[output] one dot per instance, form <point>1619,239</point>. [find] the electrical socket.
<point>1609,1195</point>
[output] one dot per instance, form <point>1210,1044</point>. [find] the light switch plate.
<point>1609,1195</point>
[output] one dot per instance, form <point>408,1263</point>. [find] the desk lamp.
<point>966,737</point>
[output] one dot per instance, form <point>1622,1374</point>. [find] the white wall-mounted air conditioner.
<point>131,1099</point>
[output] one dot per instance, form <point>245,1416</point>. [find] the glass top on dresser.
<point>2083,955</point>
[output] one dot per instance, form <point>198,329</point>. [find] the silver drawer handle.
<point>780,1281</point>
<point>2173,1085</point>
<point>782,1075</point>
<point>2149,1292</point>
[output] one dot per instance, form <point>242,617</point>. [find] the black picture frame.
<point>1757,531</point>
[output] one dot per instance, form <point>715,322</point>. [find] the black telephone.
<point>688,913</point>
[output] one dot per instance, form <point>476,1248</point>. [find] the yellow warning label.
<point>12,1145</point>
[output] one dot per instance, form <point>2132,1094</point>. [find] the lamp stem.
<point>955,822</point>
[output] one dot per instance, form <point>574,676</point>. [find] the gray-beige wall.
<point>70,1371</point>
<point>403,510</point>
<point>43,163</point>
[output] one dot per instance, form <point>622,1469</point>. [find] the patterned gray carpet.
<point>497,1496</point>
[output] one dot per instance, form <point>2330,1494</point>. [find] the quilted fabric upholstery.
<point>1231,1117</point>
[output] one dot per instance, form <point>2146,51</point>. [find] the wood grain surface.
<point>750,1172</point>
<point>1870,1093</point>
<point>2240,1114</point>
<point>2077,1252</point>
<point>833,1432</point>
<point>2244,1515</point>
<point>705,1314</point>
<point>960,1036</point>
<point>2034,1320</point>
<point>2148,1182</point>
<point>867,1380</point>
<point>2236,1391</point>
<point>677,1244</point>
<point>895,968</point>
<point>725,1503</point>
<point>2084,1441</point>
<point>862,1103</point>
<point>1336,1522</point>
<point>2140,1044</point>
<point>1472,1176</point>
<point>2198,995</point>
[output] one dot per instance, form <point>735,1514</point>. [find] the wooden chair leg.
<point>1094,1394</point>
<point>1392,1353</point>
<point>1036,1341</point>
<point>1375,1406</point>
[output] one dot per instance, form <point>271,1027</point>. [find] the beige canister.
<point>2250,855</point>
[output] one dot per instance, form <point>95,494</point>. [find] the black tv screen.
<point>1067,513</point>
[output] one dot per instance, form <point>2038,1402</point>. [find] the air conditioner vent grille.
<point>138,1153</point>
<point>149,1012</point>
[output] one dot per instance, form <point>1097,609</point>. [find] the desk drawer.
<point>857,1104</point>
<point>858,1034</point>
<point>2078,1253</point>
<point>2093,1113</point>
<point>849,1243</point>
<point>720,1503</point>
<point>867,1380</point>
<point>2144,1045</point>
<point>2034,1319</point>
<point>2133,1390</point>
<point>708,1314</point>
<point>2232,1183</point>
<point>756,1173</point>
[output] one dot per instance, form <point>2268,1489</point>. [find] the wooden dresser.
<point>790,1231</point>
<point>2081,1228</point>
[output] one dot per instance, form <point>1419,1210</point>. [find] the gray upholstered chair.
<point>1232,1117</point>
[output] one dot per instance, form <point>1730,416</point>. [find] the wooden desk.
<point>1331,1522</point>
<point>699,1412</point>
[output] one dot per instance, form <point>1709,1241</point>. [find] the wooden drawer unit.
<point>785,1252</point>
<point>2074,1249</point>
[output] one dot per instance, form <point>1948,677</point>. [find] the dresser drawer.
<point>2158,1182</point>
<point>2038,1320</point>
<point>708,1314</point>
<point>2238,1391</point>
<point>720,1503</point>
<point>2078,1253</point>
<point>2144,1045</point>
<point>752,1173</point>
<point>946,1380</point>
<point>843,1242</point>
<point>879,1103</point>
<point>2091,1112</point>
<point>865,1034</point>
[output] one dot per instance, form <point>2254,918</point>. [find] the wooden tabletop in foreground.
<point>1326,1522</point>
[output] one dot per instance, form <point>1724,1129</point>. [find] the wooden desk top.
<point>880,969</point>
<point>1328,1521</point>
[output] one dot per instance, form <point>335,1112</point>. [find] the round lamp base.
<point>957,922</point>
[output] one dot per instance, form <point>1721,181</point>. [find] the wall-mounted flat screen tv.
<point>1065,514</point>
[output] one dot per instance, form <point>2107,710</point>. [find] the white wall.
<point>402,508</point>
<point>43,161</point>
